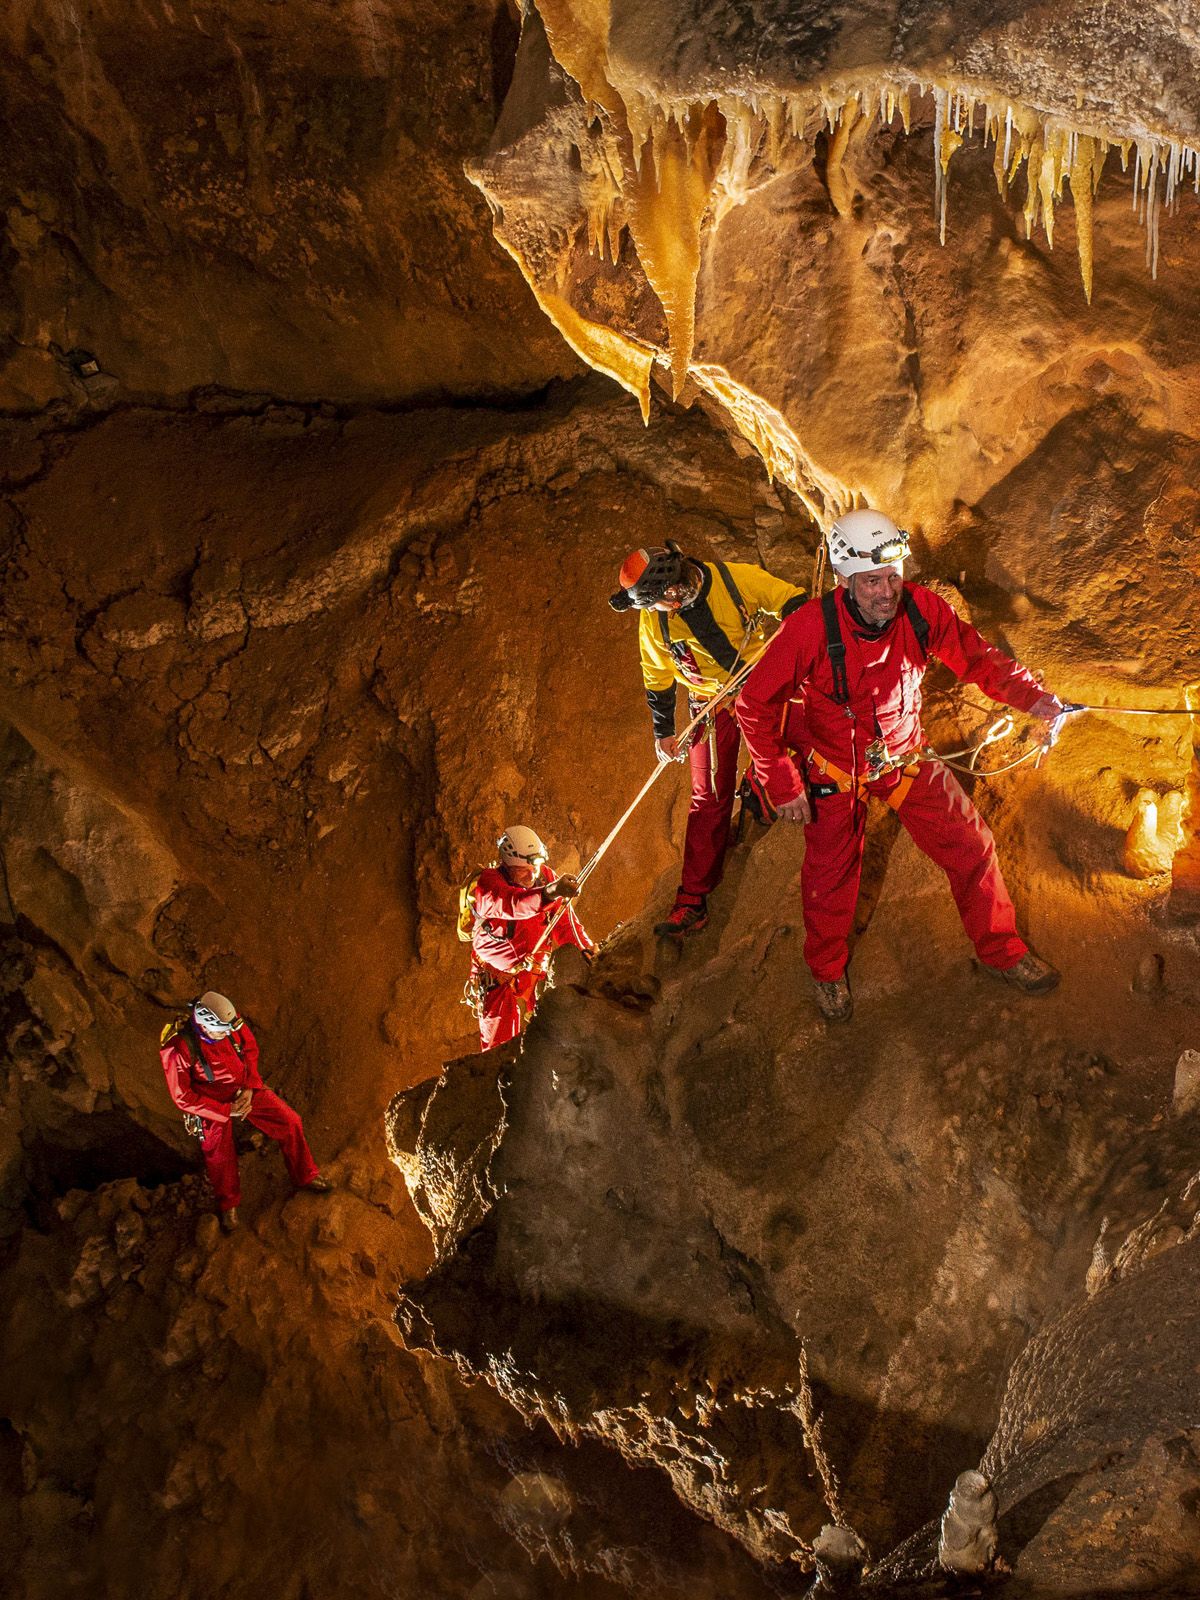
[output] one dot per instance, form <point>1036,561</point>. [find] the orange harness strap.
<point>848,784</point>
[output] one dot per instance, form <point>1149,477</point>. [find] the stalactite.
<point>667,204</point>
<point>762,426</point>
<point>840,189</point>
<point>666,170</point>
<point>1085,175</point>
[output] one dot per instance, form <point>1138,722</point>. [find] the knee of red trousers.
<point>220,1156</point>
<point>500,1019</point>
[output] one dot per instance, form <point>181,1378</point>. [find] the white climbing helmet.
<point>521,845</point>
<point>215,1014</point>
<point>861,541</point>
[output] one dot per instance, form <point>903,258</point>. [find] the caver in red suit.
<point>509,921</point>
<point>794,728</point>
<point>205,1077</point>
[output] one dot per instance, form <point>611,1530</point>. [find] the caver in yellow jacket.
<point>701,645</point>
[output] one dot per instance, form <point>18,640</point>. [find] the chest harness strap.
<point>707,631</point>
<point>849,782</point>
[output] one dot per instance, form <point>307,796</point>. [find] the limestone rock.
<point>1186,1095</point>
<point>968,1539</point>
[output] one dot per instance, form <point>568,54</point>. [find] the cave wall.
<point>256,197</point>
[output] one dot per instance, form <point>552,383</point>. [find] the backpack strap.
<point>733,592</point>
<point>920,623</point>
<point>183,1030</point>
<point>189,1034</point>
<point>836,646</point>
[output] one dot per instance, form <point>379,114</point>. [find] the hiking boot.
<point>834,1000</point>
<point>229,1220</point>
<point>318,1185</point>
<point>1031,974</point>
<point>687,916</point>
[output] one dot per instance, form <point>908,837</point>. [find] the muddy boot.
<point>834,1000</point>
<point>229,1220</point>
<point>318,1185</point>
<point>689,914</point>
<point>1031,975</point>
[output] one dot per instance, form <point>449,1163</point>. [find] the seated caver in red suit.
<point>832,714</point>
<point>513,903</point>
<point>210,1058</point>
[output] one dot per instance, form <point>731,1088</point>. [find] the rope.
<point>1003,726</point>
<point>964,760</point>
<point>1070,707</point>
<point>708,710</point>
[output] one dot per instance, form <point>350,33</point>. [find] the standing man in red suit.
<point>832,714</point>
<point>210,1058</point>
<point>510,906</point>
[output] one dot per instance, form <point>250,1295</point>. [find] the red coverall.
<point>786,709</point>
<point>191,1091</point>
<point>509,921</point>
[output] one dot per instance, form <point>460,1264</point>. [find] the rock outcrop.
<point>794,1270</point>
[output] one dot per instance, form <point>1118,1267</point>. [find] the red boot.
<point>689,914</point>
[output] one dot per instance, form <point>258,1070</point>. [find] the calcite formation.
<point>633,131</point>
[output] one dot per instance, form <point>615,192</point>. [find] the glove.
<point>667,749</point>
<point>755,799</point>
<point>564,888</point>
<point>1047,707</point>
<point>1050,710</point>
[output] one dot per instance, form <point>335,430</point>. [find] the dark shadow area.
<point>1024,1521</point>
<point>506,36</point>
<point>592,1364</point>
<point>102,1148</point>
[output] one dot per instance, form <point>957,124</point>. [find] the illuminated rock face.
<point>262,198</point>
<point>733,198</point>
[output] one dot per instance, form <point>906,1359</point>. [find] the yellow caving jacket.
<point>701,645</point>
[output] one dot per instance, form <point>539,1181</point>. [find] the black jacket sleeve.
<point>662,711</point>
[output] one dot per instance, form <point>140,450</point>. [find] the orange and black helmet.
<point>647,575</point>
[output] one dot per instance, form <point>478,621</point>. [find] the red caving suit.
<point>509,921</point>
<point>232,1071</point>
<point>786,710</point>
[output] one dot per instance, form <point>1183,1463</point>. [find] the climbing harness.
<point>481,983</point>
<point>847,783</point>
